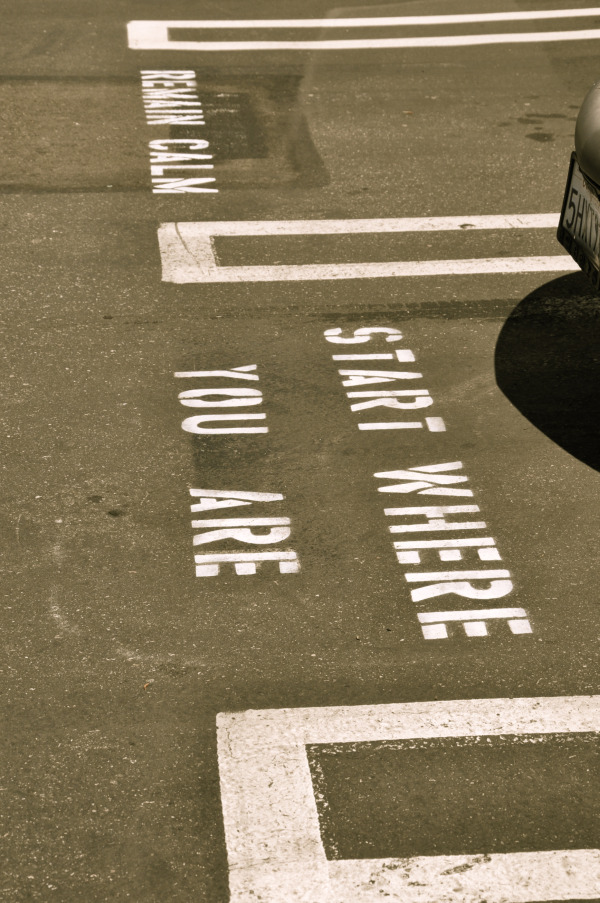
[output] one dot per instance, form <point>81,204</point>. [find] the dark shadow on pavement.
<point>548,364</point>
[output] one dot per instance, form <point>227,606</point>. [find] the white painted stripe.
<point>376,21</point>
<point>438,526</point>
<point>397,425</point>
<point>467,267</point>
<point>533,37</point>
<point>244,556</point>
<point>234,493</point>
<point>401,354</point>
<point>154,35</point>
<point>242,522</point>
<point>435,424</point>
<point>431,510</point>
<point>456,575</point>
<point>235,373</point>
<point>188,255</point>
<point>467,879</point>
<point>363,357</point>
<point>520,626</point>
<point>388,375</point>
<point>391,393</point>
<point>190,230</point>
<point>444,543</point>
<point>480,614</point>
<point>272,831</point>
<point>180,271</point>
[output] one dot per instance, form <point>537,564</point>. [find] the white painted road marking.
<point>188,254</point>
<point>501,879</point>
<point>245,563</point>
<point>433,479</point>
<point>434,425</point>
<point>196,398</point>
<point>347,226</point>
<point>473,621</point>
<point>274,845</point>
<point>154,34</point>
<point>381,21</point>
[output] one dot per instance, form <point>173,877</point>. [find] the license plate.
<point>579,226</point>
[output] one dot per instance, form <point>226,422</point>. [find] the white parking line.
<point>188,255</point>
<point>381,21</point>
<point>155,34</point>
<point>348,226</point>
<point>274,845</point>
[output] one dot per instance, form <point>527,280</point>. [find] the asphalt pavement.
<point>300,460</point>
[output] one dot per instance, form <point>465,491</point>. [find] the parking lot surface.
<point>300,454</point>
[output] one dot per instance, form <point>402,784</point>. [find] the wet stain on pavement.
<point>542,137</point>
<point>258,132</point>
